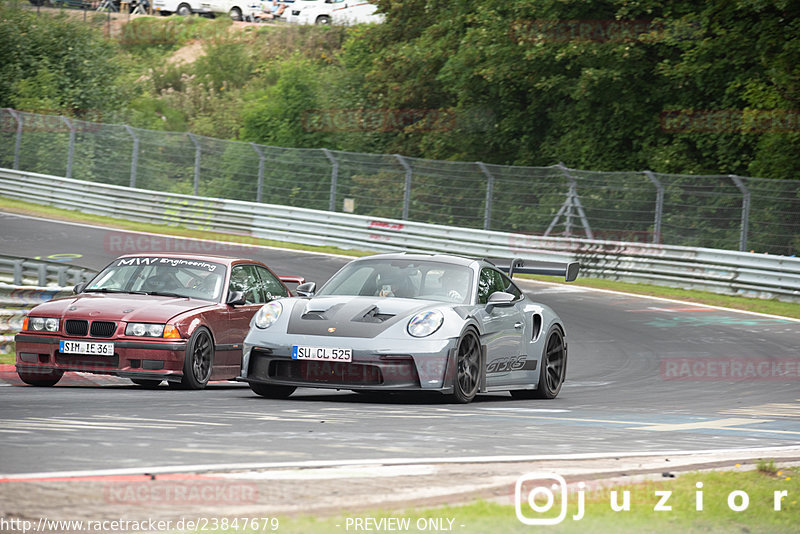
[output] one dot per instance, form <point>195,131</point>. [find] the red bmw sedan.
<point>150,317</point>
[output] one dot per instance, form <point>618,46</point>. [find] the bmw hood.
<point>363,317</point>
<point>122,307</point>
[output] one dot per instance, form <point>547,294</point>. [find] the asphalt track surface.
<point>644,375</point>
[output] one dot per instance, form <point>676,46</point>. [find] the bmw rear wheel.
<point>272,392</point>
<point>199,360</point>
<point>468,367</point>
<point>553,369</point>
<point>146,383</point>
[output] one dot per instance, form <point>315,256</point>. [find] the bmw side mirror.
<point>79,288</point>
<point>306,290</point>
<point>499,299</point>
<point>236,298</point>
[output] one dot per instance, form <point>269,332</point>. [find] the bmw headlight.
<point>425,323</point>
<point>144,330</point>
<point>268,314</point>
<point>41,324</point>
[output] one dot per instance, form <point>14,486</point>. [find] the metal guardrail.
<point>25,271</point>
<point>721,271</point>
<point>15,302</point>
<point>716,211</point>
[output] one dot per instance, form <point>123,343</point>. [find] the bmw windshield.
<point>175,277</point>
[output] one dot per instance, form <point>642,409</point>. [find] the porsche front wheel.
<point>552,371</point>
<point>468,368</point>
<point>272,392</point>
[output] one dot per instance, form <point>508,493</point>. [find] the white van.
<point>337,12</point>
<point>236,9</point>
<point>181,7</point>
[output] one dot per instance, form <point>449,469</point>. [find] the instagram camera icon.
<point>544,490</point>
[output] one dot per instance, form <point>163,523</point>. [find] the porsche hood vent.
<point>354,318</point>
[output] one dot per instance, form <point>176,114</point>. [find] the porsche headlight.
<point>425,323</point>
<point>41,324</point>
<point>268,314</point>
<point>144,330</point>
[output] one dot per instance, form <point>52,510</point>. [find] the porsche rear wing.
<point>568,270</point>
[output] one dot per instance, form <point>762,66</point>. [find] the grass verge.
<point>772,307</point>
<point>721,496</point>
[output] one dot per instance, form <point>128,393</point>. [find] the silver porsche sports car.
<point>393,322</point>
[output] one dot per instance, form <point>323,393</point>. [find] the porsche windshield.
<point>179,277</point>
<point>426,280</point>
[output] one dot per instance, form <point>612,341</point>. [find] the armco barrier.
<point>720,271</point>
<point>15,302</point>
<point>19,271</point>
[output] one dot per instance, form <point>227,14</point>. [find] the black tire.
<point>40,379</point>
<point>553,369</point>
<point>199,359</point>
<point>146,383</point>
<point>235,13</point>
<point>323,20</point>
<point>468,367</point>
<point>270,391</point>
<point>184,10</point>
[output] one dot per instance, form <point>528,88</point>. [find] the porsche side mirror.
<point>306,290</point>
<point>79,288</point>
<point>235,298</point>
<point>499,299</point>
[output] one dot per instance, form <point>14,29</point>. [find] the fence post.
<point>407,191</point>
<point>334,178</point>
<point>487,212</point>
<point>71,150</point>
<point>260,185</point>
<point>572,201</point>
<point>18,272</point>
<point>134,155</point>
<point>745,211</point>
<point>18,142</point>
<point>196,162</point>
<point>659,205</point>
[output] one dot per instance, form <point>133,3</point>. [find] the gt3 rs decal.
<point>510,363</point>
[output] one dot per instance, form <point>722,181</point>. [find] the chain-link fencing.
<point>714,211</point>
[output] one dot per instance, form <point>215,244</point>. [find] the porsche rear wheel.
<point>272,392</point>
<point>199,360</point>
<point>468,367</point>
<point>552,371</point>
<point>40,379</point>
